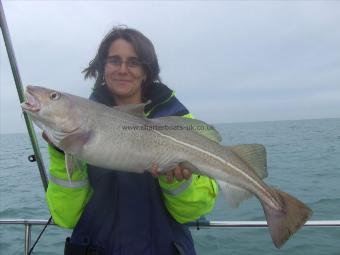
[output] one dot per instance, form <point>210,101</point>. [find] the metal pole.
<point>18,83</point>
<point>27,238</point>
<point>255,224</point>
<point>200,223</point>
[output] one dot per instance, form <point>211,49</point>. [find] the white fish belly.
<point>127,152</point>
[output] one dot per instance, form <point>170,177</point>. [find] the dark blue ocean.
<point>303,159</point>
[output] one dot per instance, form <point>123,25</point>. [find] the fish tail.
<point>285,222</point>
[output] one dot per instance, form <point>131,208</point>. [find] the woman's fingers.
<point>170,176</point>
<point>154,170</point>
<point>178,173</point>
<point>186,173</point>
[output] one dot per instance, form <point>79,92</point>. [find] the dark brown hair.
<point>144,50</point>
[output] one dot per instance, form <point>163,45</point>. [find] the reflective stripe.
<point>167,100</point>
<point>180,188</point>
<point>69,184</point>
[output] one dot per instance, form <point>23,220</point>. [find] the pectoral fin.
<point>72,164</point>
<point>74,143</point>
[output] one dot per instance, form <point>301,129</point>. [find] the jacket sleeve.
<point>188,200</point>
<point>66,199</point>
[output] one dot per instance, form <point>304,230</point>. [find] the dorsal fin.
<point>133,109</point>
<point>254,155</point>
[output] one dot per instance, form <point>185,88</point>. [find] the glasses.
<point>116,62</point>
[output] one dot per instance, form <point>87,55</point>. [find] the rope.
<point>36,241</point>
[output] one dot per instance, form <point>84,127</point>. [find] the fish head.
<point>51,110</point>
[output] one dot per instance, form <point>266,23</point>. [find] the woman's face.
<point>124,73</point>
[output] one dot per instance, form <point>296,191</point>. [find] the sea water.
<point>303,159</point>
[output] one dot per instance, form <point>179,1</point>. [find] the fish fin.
<point>233,195</point>
<point>69,166</point>
<point>254,156</point>
<point>285,222</point>
<point>74,143</point>
<point>133,109</point>
<point>72,164</point>
<point>197,126</point>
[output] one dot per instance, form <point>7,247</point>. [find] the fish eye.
<point>54,95</point>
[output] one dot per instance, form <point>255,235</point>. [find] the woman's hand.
<point>178,172</point>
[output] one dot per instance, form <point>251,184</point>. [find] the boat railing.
<point>28,223</point>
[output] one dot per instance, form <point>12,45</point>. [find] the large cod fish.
<point>123,138</point>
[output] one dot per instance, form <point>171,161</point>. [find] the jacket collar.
<point>158,94</point>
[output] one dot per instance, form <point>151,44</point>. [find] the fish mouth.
<point>32,103</point>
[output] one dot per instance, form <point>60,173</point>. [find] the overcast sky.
<point>228,61</point>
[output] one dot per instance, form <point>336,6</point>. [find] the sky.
<point>228,61</point>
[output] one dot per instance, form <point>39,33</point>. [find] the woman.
<point>114,212</point>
